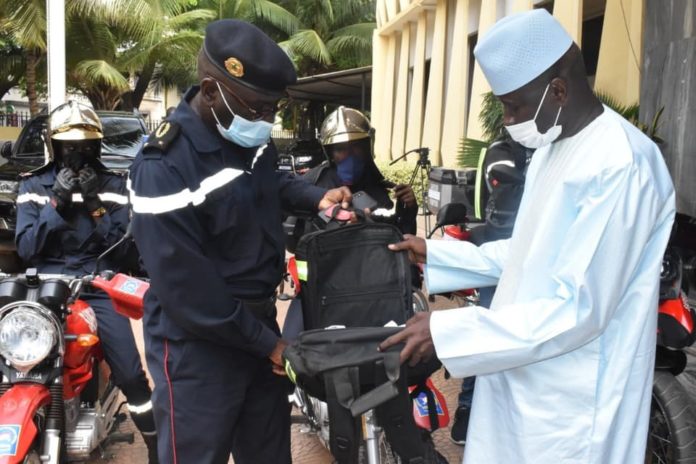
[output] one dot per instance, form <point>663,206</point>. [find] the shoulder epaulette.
<point>161,138</point>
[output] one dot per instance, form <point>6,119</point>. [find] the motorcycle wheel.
<point>420,302</point>
<point>386,453</point>
<point>672,427</point>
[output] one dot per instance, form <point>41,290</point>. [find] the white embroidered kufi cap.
<point>519,48</point>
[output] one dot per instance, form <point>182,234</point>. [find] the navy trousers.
<point>210,401</point>
<point>120,350</point>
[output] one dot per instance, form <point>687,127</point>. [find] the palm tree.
<point>333,34</point>
<point>140,39</point>
<point>266,14</point>
<point>25,20</point>
<point>12,64</point>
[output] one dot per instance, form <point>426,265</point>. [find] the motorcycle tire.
<point>672,426</point>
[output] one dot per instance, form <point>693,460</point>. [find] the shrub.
<point>401,172</point>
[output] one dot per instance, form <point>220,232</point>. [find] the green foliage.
<point>332,34</point>
<point>400,173</point>
<point>491,117</point>
<point>631,113</point>
<point>469,152</point>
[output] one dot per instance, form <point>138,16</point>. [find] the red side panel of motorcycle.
<point>80,321</point>
<point>421,411</point>
<point>455,233</point>
<point>126,293</point>
<point>675,323</point>
<point>17,430</point>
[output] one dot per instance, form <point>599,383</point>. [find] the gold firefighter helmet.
<point>74,121</point>
<point>344,125</point>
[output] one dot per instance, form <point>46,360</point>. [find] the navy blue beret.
<point>245,54</point>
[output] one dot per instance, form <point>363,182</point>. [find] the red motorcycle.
<point>56,401</point>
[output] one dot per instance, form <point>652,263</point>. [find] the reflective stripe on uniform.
<point>174,201</point>
<point>106,197</point>
<point>140,409</point>
<point>35,197</point>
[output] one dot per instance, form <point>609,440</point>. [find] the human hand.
<point>65,182</point>
<point>417,339</point>
<point>340,195</point>
<point>415,246</point>
<point>89,186</point>
<point>276,357</point>
<point>404,193</point>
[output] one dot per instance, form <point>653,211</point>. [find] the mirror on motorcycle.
<point>6,150</point>
<point>506,174</point>
<point>451,214</point>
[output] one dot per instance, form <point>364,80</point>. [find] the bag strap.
<point>396,418</point>
<point>341,386</point>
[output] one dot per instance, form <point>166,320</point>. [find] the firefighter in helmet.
<point>70,211</point>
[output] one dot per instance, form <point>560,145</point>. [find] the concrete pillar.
<point>569,14</point>
<point>400,100</point>
<point>383,93</point>
<point>620,51</point>
<point>519,6</point>
<point>392,9</point>
<point>414,123</point>
<point>434,104</point>
<point>480,85</point>
<point>454,124</point>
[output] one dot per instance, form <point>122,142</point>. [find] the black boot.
<point>150,439</point>
<point>145,422</point>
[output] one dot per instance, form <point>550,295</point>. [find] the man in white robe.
<point>564,358</point>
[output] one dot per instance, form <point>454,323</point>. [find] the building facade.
<point>427,89</point>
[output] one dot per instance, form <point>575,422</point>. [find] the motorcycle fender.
<point>17,429</point>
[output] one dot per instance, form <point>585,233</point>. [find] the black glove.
<point>89,186</point>
<point>65,183</point>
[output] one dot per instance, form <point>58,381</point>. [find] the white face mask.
<point>527,133</point>
<point>241,131</point>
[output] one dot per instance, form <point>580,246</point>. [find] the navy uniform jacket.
<point>207,223</point>
<point>70,244</point>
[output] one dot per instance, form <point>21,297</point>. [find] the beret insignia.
<point>234,67</point>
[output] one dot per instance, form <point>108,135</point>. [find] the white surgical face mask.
<point>241,131</point>
<point>527,133</point>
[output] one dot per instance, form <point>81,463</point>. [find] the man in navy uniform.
<point>69,212</point>
<point>207,222</point>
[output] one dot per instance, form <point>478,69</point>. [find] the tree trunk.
<point>32,60</point>
<point>143,83</point>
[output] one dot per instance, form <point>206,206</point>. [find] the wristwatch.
<point>99,212</point>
